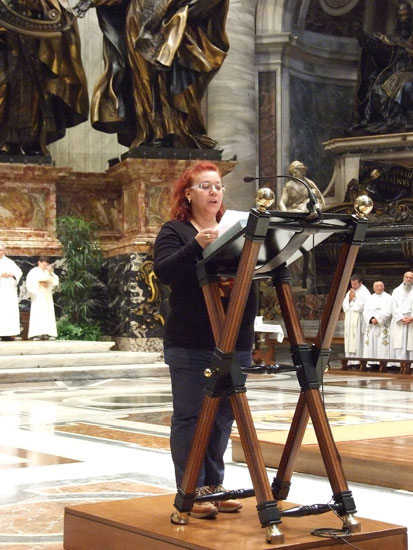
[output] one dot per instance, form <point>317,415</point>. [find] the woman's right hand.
<point>206,237</point>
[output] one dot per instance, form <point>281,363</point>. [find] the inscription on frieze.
<point>386,183</point>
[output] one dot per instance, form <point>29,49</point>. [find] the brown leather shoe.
<point>230,506</point>
<point>204,510</point>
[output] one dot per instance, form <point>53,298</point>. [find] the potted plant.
<point>79,282</point>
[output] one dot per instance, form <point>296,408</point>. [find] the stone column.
<point>231,104</point>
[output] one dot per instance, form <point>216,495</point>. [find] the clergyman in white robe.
<point>40,283</point>
<point>377,317</point>
<point>401,330</point>
<point>353,307</point>
<point>10,274</point>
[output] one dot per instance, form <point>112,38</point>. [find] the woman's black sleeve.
<point>173,257</point>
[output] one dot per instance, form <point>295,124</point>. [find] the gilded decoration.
<point>147,312</point>
<point>389,185</point>
<point>135,297</point>
<point>386,214</point>
<point>44,20</point>
<point>159,57</point>
<point>43,87</point>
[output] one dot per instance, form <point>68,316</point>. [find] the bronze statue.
<point>385,94</point>
<point>294,197</point>
<point>160,56</point>
<point>43,87</point>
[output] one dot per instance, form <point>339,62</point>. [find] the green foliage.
<point>66,330</point>
<point>82,263</point>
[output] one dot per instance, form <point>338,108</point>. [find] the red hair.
<point>181,208</point>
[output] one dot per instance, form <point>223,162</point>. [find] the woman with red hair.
<point>196,210</point>
<point>181,201</point>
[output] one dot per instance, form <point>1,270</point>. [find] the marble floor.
<point>67,443</point>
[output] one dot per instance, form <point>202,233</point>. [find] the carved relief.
<point>23,208</point>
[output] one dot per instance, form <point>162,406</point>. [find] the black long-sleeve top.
<point>176,254</point>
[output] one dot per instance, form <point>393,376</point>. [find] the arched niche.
<point>307,66</point>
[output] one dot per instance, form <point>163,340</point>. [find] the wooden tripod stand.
<point>225,378</point>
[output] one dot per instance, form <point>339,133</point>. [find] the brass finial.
<point>264,198</point>
<point>363,205</point>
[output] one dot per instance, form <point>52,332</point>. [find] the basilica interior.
<point>85,432</point>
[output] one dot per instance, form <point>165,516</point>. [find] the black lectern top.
<point>289,236</point>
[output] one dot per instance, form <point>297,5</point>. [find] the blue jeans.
<point>186,367</point>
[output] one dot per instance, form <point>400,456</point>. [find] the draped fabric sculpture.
<point>43,87</point>
<point>385,95</point>
<point>160,56</point>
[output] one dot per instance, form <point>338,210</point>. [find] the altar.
<point>267,335</point>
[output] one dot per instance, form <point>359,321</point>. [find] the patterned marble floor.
<point>70,443</point>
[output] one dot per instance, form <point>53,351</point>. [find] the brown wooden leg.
<point>268,512</point>
<point>332,310</point>
<point>214,306</point>
<point>325,440</point>
<point>282,482</point>
<point>308,369</point>
<point>383,366</point>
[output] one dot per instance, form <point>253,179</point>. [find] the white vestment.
<point>9,305</point>
<point>377,337</point>
<point>401,336</point>
<point>42,316</point>
<point>353,322</point>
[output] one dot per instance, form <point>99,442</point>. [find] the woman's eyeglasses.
<point>205,186</point>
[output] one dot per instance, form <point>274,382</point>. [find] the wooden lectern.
<point>262,247</point>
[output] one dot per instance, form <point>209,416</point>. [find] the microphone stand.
<point>313,205</point>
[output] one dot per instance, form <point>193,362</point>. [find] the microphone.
<point>249,179</point>
<point>312,205</point>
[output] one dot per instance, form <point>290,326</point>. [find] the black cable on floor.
<point>336,534</point>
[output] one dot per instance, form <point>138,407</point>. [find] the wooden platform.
<point>144,523</point>
<point>363,448</point>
